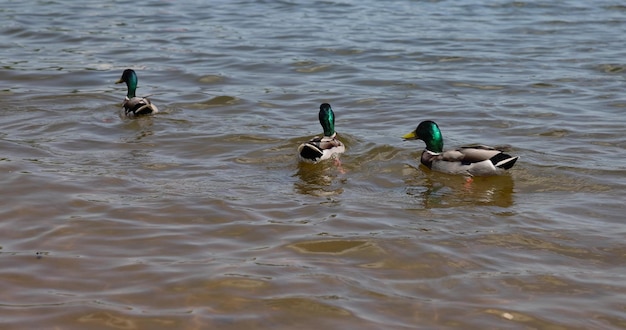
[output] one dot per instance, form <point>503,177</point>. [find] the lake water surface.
<point>201,217</point>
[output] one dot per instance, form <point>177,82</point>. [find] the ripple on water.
<point>329,247</point>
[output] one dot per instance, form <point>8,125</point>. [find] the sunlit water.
<point>201,217</point>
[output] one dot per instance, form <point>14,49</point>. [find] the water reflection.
<point>322,179</point>
<point>141,127</point>
<point>442,191</point>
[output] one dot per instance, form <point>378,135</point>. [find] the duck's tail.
<point>504,161</point>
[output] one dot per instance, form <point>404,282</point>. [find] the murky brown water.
<point>201,217</point>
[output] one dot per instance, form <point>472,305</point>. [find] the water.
<point>201,217</point>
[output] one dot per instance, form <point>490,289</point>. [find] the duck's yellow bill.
<point>410,136</point>
<point>119,81</point>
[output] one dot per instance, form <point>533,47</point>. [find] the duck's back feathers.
<point>477,153</point>
<point>138,106</point>
<point>320,148</point>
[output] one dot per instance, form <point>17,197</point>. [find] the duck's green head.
<point>130,78</point>
<point>327,119</point>
<point>429,132</point>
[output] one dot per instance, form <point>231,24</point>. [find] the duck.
<point>134,105</point>
<point>324,147</point>
<point>473,160</point>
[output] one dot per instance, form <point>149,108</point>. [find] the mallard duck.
<point>325,147</point>
<point>134,105</point>
<point>474,160</point>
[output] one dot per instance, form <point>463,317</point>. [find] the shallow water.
<point>201,217</point>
